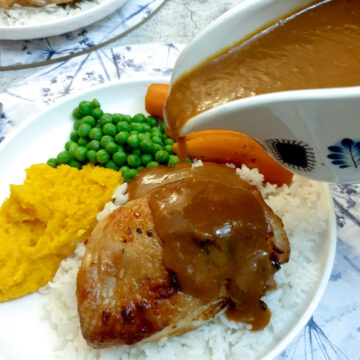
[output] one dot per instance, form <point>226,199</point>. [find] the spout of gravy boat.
<point>314,133</point>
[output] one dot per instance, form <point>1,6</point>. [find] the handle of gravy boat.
<point>314,133</point>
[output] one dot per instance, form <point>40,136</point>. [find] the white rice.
<point>305,221</point>
<point>19,15</point>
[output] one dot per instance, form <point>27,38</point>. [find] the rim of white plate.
<point>331,237</point>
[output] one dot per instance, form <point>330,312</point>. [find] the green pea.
<point>72,147</point>
<point>173,160</point>
<point>188,160</point>
<point>95,103</point>
<point>77,114</point>
<point>80,153</point>
<point>133,160</point>
<point>168,148</point>
<point>75,164</point>
<point>111,147</point>
<point>77,124</point>
<point>162,156</point>
<point>111,165</point>
<point>133,141</point>
<point>142,137</point>
<point>140,168</point>
<point>130,174</point>
<point>123,169</point>
<point>162,127</point>
<point>119,158</point>
<point>121,137</point>
<point>137,127</point>
<point>134,132</point>
<point>164,137</point>
<point>109,129</point>
<point>155,131</point>
<point>91,156</point>
<point>74,136</point>
<point>97,113</point>
<point>146,158</point>
<point>105,119</point>
<point>52,162</point>
<point>156,148</point>
<point>85,107</point>
<point>157,140</point>
<point>136,152</point>
<point>106,139</point>
<point>140,118</point>
<point>102,156</point>
<point>123,126</point>
<point>152,164</point>
<point>90,120</point>
<point>147,146</point>
<point>64,157</point>
<point>152,121</point>
<point>82,142</point>
<point>169,141</point>
<point>83,130</point>
<point>94,145</point>
<point>95,134</point>
<point>119,117</point>
<point>67,144</point>
<point>147,127</point>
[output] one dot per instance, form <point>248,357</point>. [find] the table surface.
<point>334,330</point>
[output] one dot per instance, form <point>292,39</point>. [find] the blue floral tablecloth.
<point>333,332</point>
<point>26,52</point>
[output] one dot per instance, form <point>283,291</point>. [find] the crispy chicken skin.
<point>124,292</point>
<point>34,3</point>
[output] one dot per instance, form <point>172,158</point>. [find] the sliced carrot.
<point>225,146</point>
<point>155,99</point>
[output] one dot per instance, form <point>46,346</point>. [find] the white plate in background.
<point>63,25</point>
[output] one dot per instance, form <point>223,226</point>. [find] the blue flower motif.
<point>345,154</point>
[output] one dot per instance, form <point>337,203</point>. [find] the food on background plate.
<point>18,14</point>
<point>44,219</point>
<point>36,3</point>
<point>291,54</point>
<point>185,247</point>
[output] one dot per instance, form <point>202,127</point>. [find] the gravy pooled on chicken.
<point>192,241</point>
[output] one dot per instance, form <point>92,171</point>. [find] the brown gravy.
<point>318,47</point>
<point>214,234</point>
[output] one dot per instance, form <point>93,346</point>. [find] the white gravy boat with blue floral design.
<point>315,133</point>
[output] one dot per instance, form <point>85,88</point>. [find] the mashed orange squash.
<point>44,219</point>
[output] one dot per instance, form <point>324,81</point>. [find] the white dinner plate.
<point>23,334</point>
<point>63,25</point>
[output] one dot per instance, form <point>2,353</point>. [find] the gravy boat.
<point>314,133</point>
